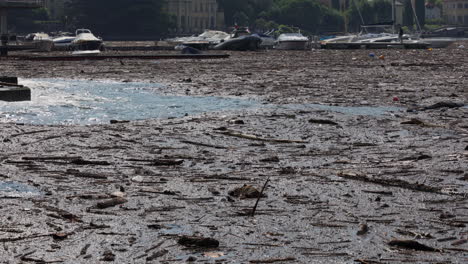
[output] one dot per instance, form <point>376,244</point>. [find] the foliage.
<point>408,18</point>
<point>354,19</point>
<point>120,17</point>
<point>435,22</point>
<point>27,20</point>
<point>420,9</point>
<point>263,15</point>
<point>309,15</point>
<point>382,11</point>
<point>239,9</point>
<point>438,3</point>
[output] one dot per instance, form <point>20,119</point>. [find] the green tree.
<point>408,18</point>
<point>420,9</point>
<point>354,19</point>
<point>27,20</point>
<point>138,18</point>
<point>335,4</point>
<point>382,11</point>
<point>233,7</point>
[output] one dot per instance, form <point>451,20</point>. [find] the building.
<point>433,12</point>
<point>194,16</point>
<point>456,12</point>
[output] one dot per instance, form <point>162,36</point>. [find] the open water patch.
<point>17,190</point>
<point>64,101</point>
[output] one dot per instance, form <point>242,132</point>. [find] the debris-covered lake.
<point>360,160</point>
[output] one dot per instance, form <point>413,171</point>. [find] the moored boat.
<point>240,39</point>
<point>63,42</point>
<point>85,40</point>
<point>292,41</point>
<point>41,41</point>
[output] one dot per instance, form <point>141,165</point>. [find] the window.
<point>460,5</point>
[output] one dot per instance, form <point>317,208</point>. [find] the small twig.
<point>252,137</point>
<point>260,196</point>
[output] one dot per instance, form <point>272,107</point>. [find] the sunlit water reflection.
<point>61,101</point>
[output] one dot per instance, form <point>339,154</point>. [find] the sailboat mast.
<point>393,15</point>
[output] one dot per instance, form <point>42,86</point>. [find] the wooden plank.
<point>120,57</point>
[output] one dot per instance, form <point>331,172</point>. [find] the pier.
<point>10,91</point>
<point>375,45</point>
<point>128,57</point>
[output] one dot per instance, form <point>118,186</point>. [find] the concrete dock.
<point>10,91</point>
<point>374,45</point>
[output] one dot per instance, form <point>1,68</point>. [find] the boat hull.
<point>438,43</point>
<point>291,45</point>
<point>241,43</point>
<point>87,45</point>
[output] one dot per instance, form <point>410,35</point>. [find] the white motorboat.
<point>85,40</point>
<point>41,41</point>
<point>291,41</point>
<point>267,41</point>
<point>433,42</point>
<point>63,42</point>
<point>205,40</point>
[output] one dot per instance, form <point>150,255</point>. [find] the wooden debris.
<point>252,137</point>
<point>459,242</point>
<point>392,182</point>
<point>111,202</point>
<point>113,121</point>
<point>363,229</point>
<point>367,261</point>
<point>417,157</point>
<point>270,159</point>
<point>157,254</point>
<point>108,256</point>
<point>246,191</point>
<point>413,234</point>
<point>84,250</point>
<point>411,244</point>
<point>273,260</point>
<point>167,162</point>
<point>323,122</point>
<point>60,236</point>
<point>443,105</point>
<point>195,241</point>
<point>418,122</point>
<point>81,161</point>
<point>202,144</point>
<point>260,196</point>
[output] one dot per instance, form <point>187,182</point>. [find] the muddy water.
<point>331,170</point>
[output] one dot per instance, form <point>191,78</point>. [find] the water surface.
<point>61,101</point>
